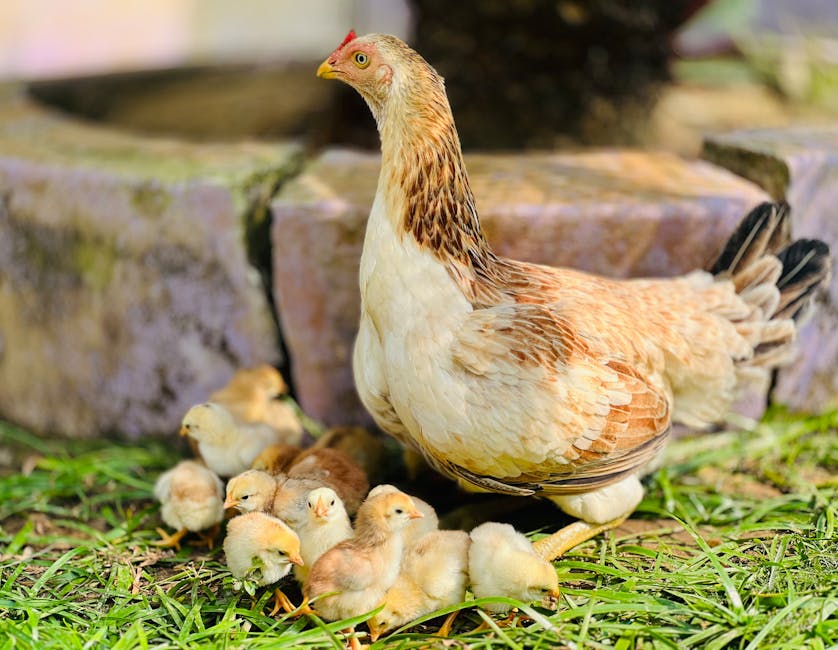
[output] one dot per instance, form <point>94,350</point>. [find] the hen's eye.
<point>361,59</point>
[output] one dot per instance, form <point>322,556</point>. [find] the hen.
<point>531,380</point>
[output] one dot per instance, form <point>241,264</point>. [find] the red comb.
<point>349,37</point>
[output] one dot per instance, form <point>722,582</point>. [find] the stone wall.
<point>126,293</point>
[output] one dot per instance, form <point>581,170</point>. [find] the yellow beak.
<point>231,503</point>
<point>326,71</point>
<point>415,515</point>
<point>296,558</point>
<point>184,431</point>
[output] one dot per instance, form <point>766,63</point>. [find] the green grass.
<point>734,546</point>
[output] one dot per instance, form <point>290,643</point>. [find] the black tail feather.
<point>765,230</point>
<point>806,266</point>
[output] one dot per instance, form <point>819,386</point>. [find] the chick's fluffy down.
<point>191,497</point>
<point>502,562</point>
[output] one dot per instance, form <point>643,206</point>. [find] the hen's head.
<point>380,67</point>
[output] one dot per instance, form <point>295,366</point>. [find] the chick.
<point>434,574</point>
<point>252,491</point>
<point>191,500</point>
<point>262,548</point>
<point>502,562</point>
<point>362,568</point>
<point>417,528</point>
<point>325,526</point>
<point>227,447</point>
<point>251,396</point>
<point>369,451</point>
<point>335,469</point>
<point>280,496</point>
<point>276,458</point>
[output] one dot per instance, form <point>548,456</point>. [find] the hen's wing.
<point>604,418</point>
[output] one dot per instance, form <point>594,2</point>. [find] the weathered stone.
<point>801,165</point>
<point>612,212</point>
<point>126,294</point>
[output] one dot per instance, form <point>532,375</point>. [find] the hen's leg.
<point>598,511</point>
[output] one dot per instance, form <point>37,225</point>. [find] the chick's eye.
<point>332,502</point>
<point>245,497</point>
<point>361,59</point>
<point>399,511</point>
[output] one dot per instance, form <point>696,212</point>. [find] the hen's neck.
<point>427,188</point>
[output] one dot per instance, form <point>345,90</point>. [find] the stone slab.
<point>618,213</point>
<point>126,292</point>
<point>799,164</point>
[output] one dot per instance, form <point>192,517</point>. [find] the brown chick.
<point>531,380</point>
<point>276,459</point>
<point>251,396</point>
<point>362,568</point>
<point>262,548</point>
<point>502,562</point>
<point>335,469</point>
<point>434,574</point>
<point>366,449</point>
<point>191,500</point>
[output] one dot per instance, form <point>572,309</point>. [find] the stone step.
<point>613,212</point>
<point>126,293</point>
<point>799,164</point>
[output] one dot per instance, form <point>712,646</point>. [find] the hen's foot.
<point>563,540</point>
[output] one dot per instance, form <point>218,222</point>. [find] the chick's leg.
<point>169,540</point>
<point>209,536</point>
<point>281,601</point>
<point>598,511</point>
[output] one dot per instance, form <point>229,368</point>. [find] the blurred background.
<point>520,73</point>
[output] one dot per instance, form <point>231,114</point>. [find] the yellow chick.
<point>191,500</point>
<point>502,562</point>
<point>325,526</point>
<point>261,548</point>
<point>251,396</point>
<point>252,491</point>
<point>362,568</point>
<point>434,574</point>
<point>280,496</point>
<point>417,528</point>
<point>227,446</point>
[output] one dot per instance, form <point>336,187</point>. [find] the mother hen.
<point>530,380</point>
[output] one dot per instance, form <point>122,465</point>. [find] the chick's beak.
<point>551,599</point>
<point>295,558</point>
<point>415,515</point>
<point>375,632</point>
<point>230,503</point>
<point>184,431</point>
<point>326,71</point>
<point>320,508</point>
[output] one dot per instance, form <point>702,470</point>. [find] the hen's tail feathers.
<point>776,277</point>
